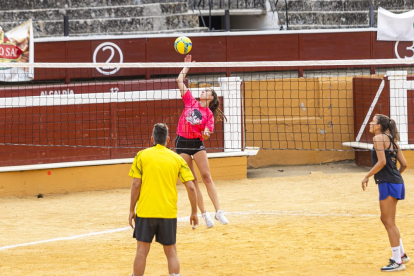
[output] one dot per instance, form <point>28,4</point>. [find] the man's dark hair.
<point>160,134</point>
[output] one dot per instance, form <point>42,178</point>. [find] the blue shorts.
<point>391,189</point>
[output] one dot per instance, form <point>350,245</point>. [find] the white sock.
<point>396,255</point>
<point>401,248</point>
<point>173,274</point>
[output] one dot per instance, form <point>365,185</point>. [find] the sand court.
<point>318,223</point>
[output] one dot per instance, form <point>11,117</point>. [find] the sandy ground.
<point>281,223</point>
<point>326,168</point>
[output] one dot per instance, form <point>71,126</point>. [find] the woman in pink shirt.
<point>195,125</point>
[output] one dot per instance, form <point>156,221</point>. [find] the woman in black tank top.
<point>385,155</point>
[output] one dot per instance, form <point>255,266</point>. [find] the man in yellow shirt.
<point>154,199</point>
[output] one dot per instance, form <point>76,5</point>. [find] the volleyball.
<point>183,45</point>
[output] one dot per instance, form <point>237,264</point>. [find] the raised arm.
<point>181,76</point>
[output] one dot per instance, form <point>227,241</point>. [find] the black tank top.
<point>389,173</point>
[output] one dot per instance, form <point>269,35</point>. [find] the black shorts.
<point>188,146</point>
<point>164,230</point>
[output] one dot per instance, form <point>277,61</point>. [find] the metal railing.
<point>275,9</point>
<point>223,4</point>
<point>199,11</point>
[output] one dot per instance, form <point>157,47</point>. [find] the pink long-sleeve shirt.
<point>194,118</point>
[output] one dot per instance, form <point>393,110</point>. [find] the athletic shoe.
<point>405,259</point>
<point>393,266</point>
<point>208,220</point>
<point>220,217</point>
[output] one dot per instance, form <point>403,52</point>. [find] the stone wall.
<point>322,14</point>
<point>100,17</point>
<point>46,4</point>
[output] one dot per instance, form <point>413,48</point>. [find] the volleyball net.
<point>111,109</point>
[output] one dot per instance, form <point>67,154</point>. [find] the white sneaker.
<point>208,220</point>
<point>220,217</point>
<point>393,266</point>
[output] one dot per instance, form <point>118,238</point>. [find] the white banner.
<point>395,27</point>
<point>17,45</point>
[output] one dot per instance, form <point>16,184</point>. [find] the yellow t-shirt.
<point>159,169</point>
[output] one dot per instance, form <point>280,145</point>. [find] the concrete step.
<point>233,12</point>
<point>95,12</point>
<point>178,31</point>
<point>224,4</point>
<point>340,18</point>
<point>329,18</point>
<point>53,4</point>
<point>112,25</point>
<point>343,5</point>
<point>325,5</point>
<point>394,4</point>
<point>313,27</point>
<point>160,1</point>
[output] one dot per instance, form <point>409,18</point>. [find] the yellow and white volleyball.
<point>183,45</point>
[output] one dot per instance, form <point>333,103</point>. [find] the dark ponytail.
<point>389,125</point>
<point>394,131</point>
<point>215,106</point>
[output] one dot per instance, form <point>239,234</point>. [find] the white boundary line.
<point>185,219</point>
<point>66,238</point>
<point>77,236</point>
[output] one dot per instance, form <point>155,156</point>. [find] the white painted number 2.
<point>111,47</point>
<point>411,48</point>
<point>114,90</point>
